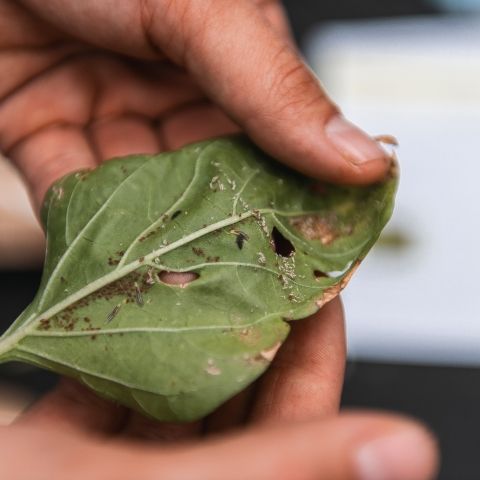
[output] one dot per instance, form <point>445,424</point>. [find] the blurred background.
<point>409,68</point>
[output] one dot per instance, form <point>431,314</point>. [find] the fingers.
<point>50,154</point>
<point>194,122</point>
<point>72,406</point>
<point>232,413</point>
<point>306,377</point>
<point>275,14</point>
<point>140,427</point>
<point>354,446</point>
<point>246,67</point>
<point>116,137</point>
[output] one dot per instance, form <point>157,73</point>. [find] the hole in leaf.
<point>319,274</point>
<point>182,279</point>
<point>282,246</point>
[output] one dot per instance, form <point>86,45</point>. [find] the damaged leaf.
<point>256,244</point>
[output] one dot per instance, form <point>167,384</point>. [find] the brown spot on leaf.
<point>269,353</point>
<point>44,324</point>
<point>315,227</point>
<point>331,292</point>
<point>113,261</point>
<point>248,335</point>
<point>149,234</point>
<point>211,368</point>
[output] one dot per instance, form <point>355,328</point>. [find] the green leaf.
<point>267,247</point>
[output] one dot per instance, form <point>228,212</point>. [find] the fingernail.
<point>352,143</point>
<point>407,455</point>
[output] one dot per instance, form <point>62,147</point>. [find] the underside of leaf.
<point>257,244</point>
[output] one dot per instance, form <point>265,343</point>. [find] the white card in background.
<point>418,298</point>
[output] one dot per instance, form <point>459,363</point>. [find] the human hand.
<point>70,102</point>
<point>72,434</point>
<point>85,81</point>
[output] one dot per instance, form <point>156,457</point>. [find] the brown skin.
<point>90,80</point>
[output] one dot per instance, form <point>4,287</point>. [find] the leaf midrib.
<point>8,342</point>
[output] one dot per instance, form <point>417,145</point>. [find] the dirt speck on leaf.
<point>261,259</point>
<point>198,251</point>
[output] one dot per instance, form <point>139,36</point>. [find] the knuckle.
<point>177,27</point>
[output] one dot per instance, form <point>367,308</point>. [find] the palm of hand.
<point>68,106</point>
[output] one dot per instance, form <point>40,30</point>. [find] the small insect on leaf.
<point>241,237</point>
<point>113,313</point>
<point>138,295</point>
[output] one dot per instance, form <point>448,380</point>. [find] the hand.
<point>91,80</point>
<point>85,81</point>
<point>72,434</point>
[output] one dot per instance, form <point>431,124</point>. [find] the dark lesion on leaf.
<point>318,274</point>
<point>176,214</point>
<point>113,261</point>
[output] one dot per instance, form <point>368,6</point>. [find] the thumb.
<point>245,65</point>
<point>363,446</point>
<point>249,69</point>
